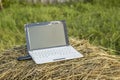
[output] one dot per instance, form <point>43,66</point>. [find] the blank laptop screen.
<point>44,36</point>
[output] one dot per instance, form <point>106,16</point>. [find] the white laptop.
<point>48,42</point>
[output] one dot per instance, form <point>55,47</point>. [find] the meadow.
<point>97,21</point>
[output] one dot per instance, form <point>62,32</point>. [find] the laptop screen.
<point>45,36</point>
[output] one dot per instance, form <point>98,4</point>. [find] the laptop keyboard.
<point>55,53</point>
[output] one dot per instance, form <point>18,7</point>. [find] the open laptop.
<point>48,42</point>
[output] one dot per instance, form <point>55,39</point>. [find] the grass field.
<point>97,21</point>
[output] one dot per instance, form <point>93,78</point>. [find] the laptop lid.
<point>46,35</point>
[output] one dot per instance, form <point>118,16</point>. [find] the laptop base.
<point>54,54</point>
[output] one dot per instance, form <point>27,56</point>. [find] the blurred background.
<point>95,20</point>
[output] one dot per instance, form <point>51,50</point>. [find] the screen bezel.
<point>27,26</point>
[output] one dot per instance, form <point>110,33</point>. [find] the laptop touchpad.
<point>59,59</point>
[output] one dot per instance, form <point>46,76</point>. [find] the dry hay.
<point>96,64</point>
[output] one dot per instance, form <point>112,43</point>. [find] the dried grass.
<point>97,64</point>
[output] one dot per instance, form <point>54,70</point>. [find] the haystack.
<point>96,64</point>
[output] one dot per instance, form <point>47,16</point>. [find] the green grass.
<point>98,23</point>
